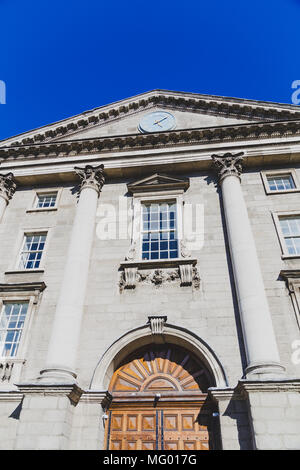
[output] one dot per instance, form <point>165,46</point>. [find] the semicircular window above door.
<point>160,368</point>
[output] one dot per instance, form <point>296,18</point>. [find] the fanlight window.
<point>166,368</point>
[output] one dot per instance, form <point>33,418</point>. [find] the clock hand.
<point>162,119</point>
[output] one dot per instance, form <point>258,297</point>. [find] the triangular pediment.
<point>158,182</point>
<point>190,111</point>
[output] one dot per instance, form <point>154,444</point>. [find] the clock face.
<point>157,122</point>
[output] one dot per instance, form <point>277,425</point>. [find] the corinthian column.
<point>259,338</point>
<point>62,352</point>
<point>7,190</point>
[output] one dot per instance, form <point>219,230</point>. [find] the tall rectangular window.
<point>44,201</point>
<point>281,182</point>
<point>12,319</point>
<point>159,231</point>
<point>32,250</point>
<point>290,227</point>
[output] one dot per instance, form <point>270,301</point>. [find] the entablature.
<point>49,169</point>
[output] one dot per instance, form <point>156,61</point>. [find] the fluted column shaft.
<point>259,337</point>
<point>62,351</point>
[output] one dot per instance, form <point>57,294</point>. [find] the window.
<point>280,182</point>
<point>12,321</point>
<point>290,228</point>
<point>159,231</point>
<point>45,200</point>
<point>32,250</point>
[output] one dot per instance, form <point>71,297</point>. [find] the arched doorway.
<point>160,401</point>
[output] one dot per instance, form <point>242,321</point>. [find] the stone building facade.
<point>150,277</point>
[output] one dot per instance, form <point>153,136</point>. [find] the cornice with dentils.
<point>233,107</point>
<point>220,134</point>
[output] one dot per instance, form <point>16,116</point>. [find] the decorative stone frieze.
<point>7,186</point>
<point>91,177</point>
<point>157,324</point>
<point>158,273</point>
<point>228,164</point>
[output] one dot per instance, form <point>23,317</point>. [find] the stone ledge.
<point>25,271</point>
<point>42,209</point>
<point>220,394</point>
<point>159,263</point>
<point>72,391</point>
<point>101,397</point>
<point>22,286</point>
<point>10,395</point>
<point>284,385</point>
<point>244,387</point>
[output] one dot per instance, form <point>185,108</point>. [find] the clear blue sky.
<point>59,58</point>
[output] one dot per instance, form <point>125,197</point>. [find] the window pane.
<point>281,182</point>
<point>290,227</point>
<point>46,200</point>
<point>32,250</point>
<point>12,319</point>
<point>160,229</point>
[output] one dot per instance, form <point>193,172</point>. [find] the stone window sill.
<point>134,271</point>
<point>283,191</point>
<point>290,256</point>
<point>42,209</point>
<point>23,271</point>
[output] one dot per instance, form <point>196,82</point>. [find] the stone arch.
<point>142,336</point>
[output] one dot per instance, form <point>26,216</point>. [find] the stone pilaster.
<point>259,337</point>
<point>7,190</point>
<point>62,352</point>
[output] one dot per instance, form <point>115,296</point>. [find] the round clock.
<point>157,122</point>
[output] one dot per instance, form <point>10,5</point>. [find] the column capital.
<point>7,186</point>
<point>228,164</point>
<point>91,177</point>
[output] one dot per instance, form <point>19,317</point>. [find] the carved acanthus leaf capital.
<point>91,176</point>
<point>7,186</point>
<point>228,164</point>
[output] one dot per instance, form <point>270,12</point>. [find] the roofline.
<point>160,91</point>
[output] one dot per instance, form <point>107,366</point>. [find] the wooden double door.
<point>156,429</point>
<point>178,420</point>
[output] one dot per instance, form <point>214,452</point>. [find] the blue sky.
<point>59,58</point>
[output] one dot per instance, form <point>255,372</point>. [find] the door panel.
<point>132,430</point>
<point>157,429</point>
